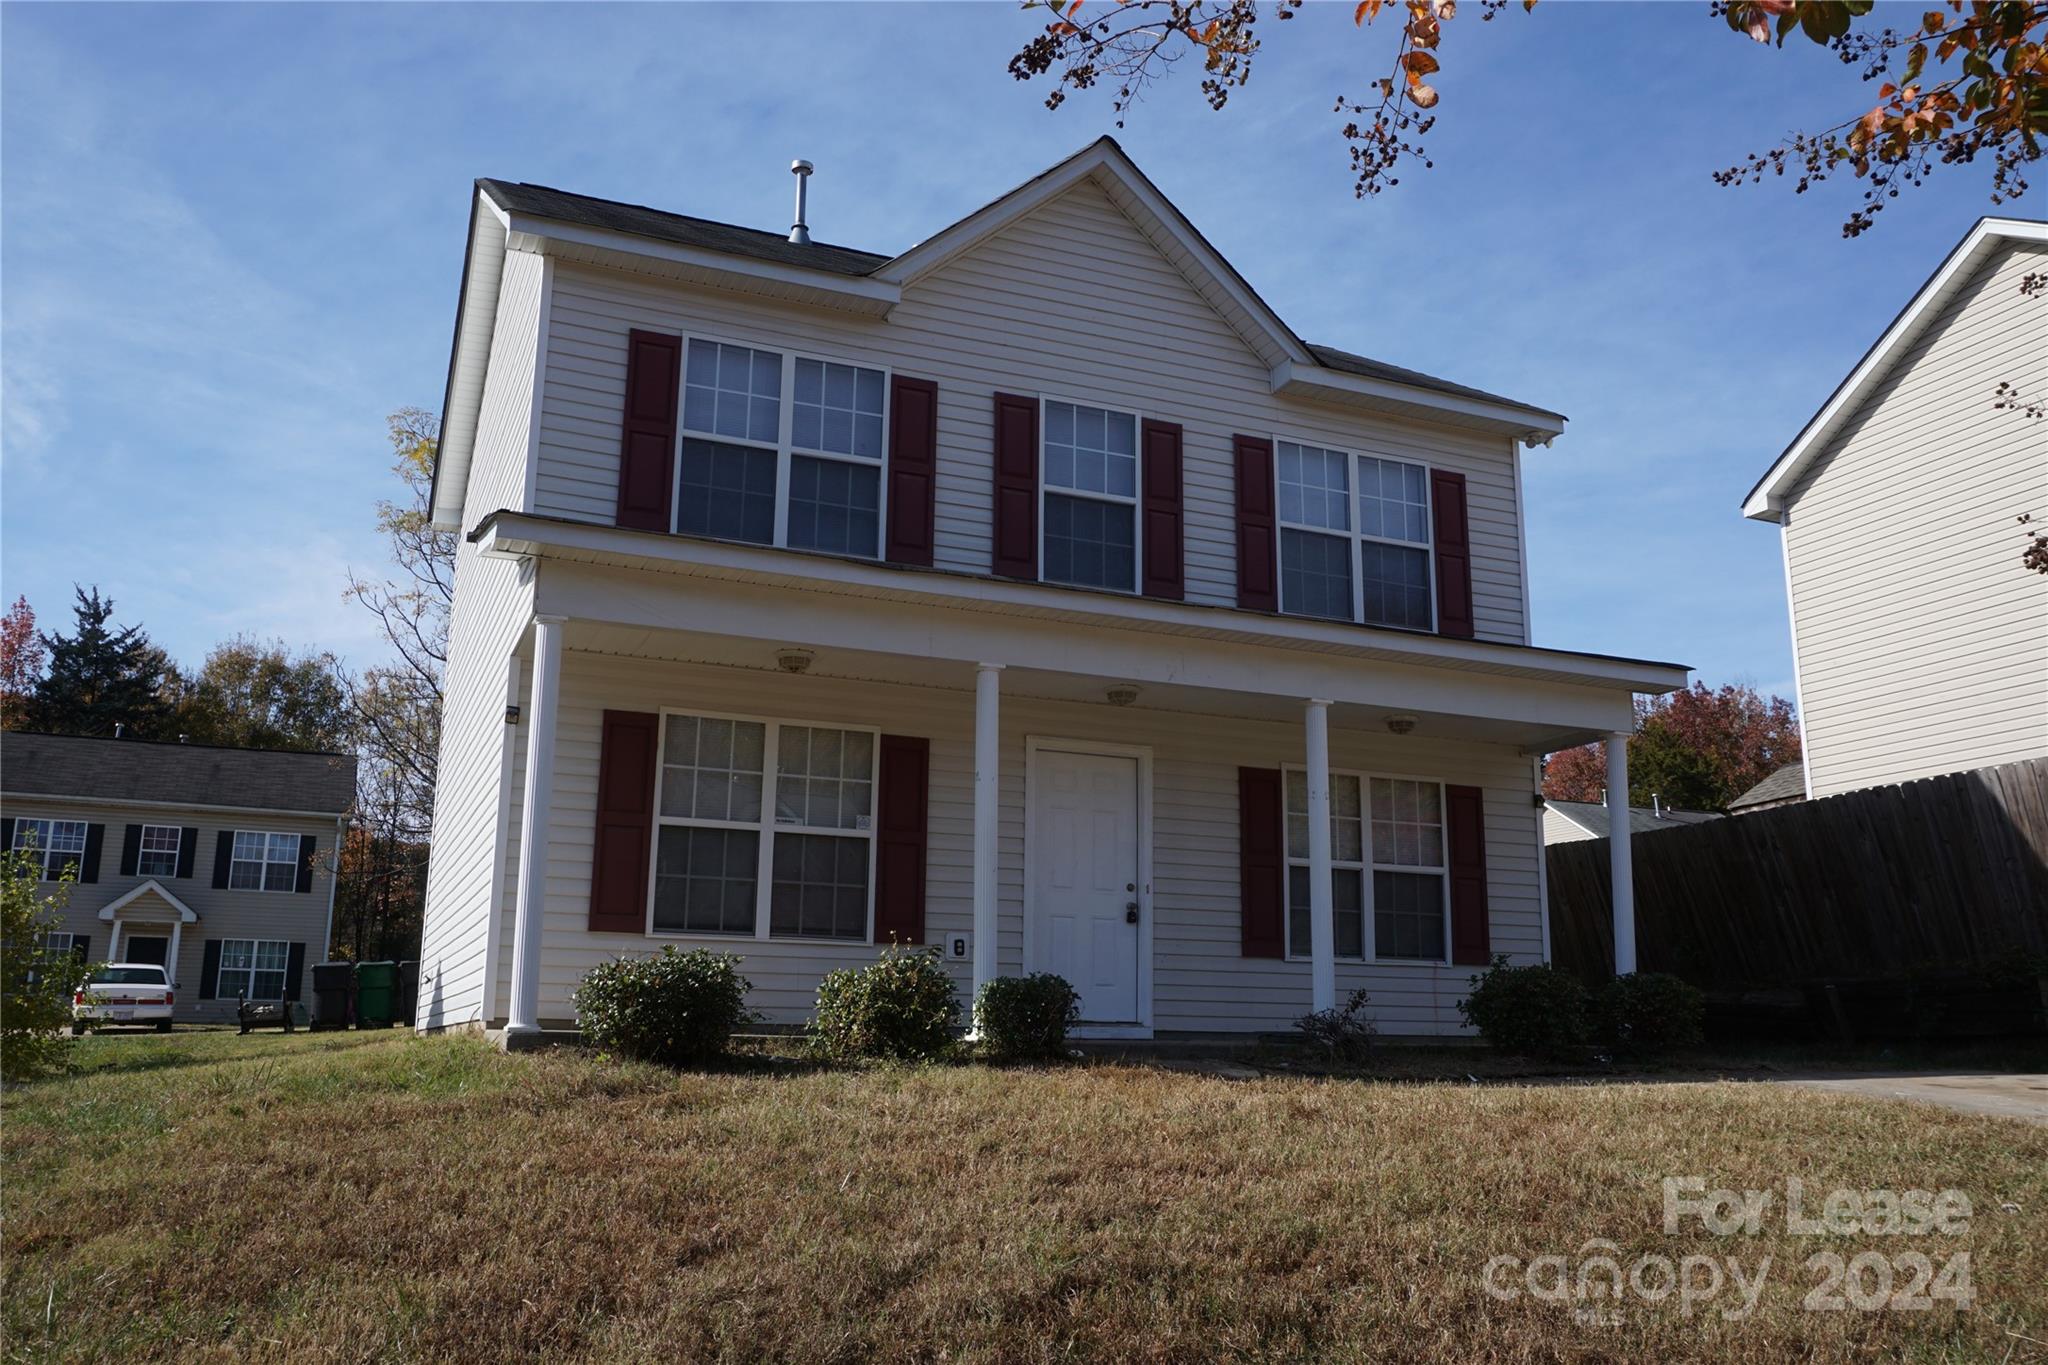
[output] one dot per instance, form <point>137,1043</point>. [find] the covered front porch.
<point>1084,802</point>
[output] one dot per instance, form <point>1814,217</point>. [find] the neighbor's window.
<point>1347,863</point>
<point>252,967</point>
<point>1410,910</point>
<point>158,856</point>
<point>780,449</point>
<point>54,843</point>
<point>1091,497</point>
<point>1374,567</point>
<point>57,941</point>
<point>734,790</point>
<point>264,862</point>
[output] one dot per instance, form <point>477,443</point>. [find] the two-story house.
<point>1919,639</point>
<point>214,862</point>
<point>1036,593</point>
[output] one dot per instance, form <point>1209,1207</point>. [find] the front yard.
<point>382,1197</point>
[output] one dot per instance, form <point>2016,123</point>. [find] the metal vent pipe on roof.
<point>798,232</point>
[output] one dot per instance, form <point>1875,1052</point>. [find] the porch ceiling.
<point>1045,684</point>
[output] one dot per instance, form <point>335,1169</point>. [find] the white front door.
<point>1084,878</point>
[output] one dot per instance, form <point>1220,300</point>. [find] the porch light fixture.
<point>512,713</point>
<point>1401,725</point>
<point>794,660</point>
<point>1121,695</point>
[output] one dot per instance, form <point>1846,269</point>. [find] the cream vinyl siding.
<point>1922,642</point>
<point>287,916</point>
<point>1561,829</point>
<point>493,604</point>
<point>1200,981</point>
<point>1072,302</point>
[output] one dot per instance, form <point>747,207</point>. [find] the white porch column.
<point>1620,871</point>
<point>171,959</point>
<point>987,793</point>
<point>114,941</point>
<point>530,907</point>
<point>1322,926</point>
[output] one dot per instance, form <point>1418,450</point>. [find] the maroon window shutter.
<point>1262,863</point>
<point>1016,468</point>
<point>1258,583</point>
<point>1465,828</point>
<point>625,822</point>
<point>1161,475</point>
<point>1453,554</point>
<point>913,469</point>
<point>901,802</point>
<point>647,443</point>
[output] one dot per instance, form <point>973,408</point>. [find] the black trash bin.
<point>405,993</point>
<point>333,984</point>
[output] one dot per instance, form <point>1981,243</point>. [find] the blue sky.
<point>231,238</point>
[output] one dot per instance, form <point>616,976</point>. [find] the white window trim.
<point>30,824</point>
<point>266,863</point>
<point>1135,502</point>
<point>248,974</point>
<point>143,850</point>
<point>1369,937</point>
<point>1356,534</point>
<point>50,944</point>
<point>784,447</point>
<point>768,827</point>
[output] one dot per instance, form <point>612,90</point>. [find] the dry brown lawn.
<point>361,1197</point>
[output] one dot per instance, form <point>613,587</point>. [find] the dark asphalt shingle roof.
<point>1591,816</point>
<point>181,774</point>
<point>562,206</point>
<point>1786,784</point>
<point>658,225</point>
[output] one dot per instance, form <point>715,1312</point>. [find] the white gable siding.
<point>1922,642</point>
<point>493,603</point>
<point>1201,982</point>
<point>1072,302</point>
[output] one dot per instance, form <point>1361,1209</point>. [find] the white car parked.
<point>124,993</point>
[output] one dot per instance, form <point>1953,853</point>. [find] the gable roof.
<point>1591,817</point>
<point>1766,501</point>
<point>147,773</point>
<point>155,888</point>
<point>1786,784</point>
<point>700,250</point>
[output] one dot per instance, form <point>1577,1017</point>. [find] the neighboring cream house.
<point>1919,639</point>
<point>1036,594</point>
<point>216,863</point>
<point>1571,822</point>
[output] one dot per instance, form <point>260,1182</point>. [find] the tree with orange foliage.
<point>1951,89</point>
<point>22,660</point>
<point>1697,749</point>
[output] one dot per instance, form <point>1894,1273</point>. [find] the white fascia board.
<point>1528,425</point>
<point>1102,158</point>
<point>859,293</point>
<point>1767,501</point>
<point>512,535</point>
<point>476,320</point>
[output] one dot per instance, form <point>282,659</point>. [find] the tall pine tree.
<point>100,677</point>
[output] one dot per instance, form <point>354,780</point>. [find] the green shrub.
<point>676,1008</point>
<point>900,1007</point>
<point>35,999</point>
<point>1344,1032</point>
<point>1649,1012</point>
<point>1537,1011</point>
<point>1025,1018</point>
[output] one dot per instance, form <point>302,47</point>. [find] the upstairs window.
<point>264,862</point>
<point>158,854</point>
<point>1090,464</point>
<point>779,449</point>
<point>55,843</point>
<point>1355,537</point>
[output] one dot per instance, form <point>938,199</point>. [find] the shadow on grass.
<point>122,1054</point>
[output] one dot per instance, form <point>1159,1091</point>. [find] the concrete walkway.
<point>2005,1096</point>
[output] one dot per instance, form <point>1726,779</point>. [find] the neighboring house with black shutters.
<point>218,863</point>
<point>1036,594</point>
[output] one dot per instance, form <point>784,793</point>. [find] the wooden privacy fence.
<point>1943,874</point>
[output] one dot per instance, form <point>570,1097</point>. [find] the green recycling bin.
<point>374,987</point>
